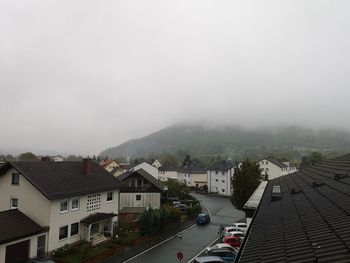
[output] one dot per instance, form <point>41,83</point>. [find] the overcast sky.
<point>81,76</point>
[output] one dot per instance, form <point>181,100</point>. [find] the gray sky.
<point>81,76</point>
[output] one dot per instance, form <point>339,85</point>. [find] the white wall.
<point>166,175</point>
<point>273,170</point>
<point>220,181</point>
<point>30,201</point>
<point>147,199</point>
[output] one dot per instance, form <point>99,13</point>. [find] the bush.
<point>61,252</point>
<point>192,212</point>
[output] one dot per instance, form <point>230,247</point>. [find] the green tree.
<point>27,156</point>
<point>245,180</point>
<point>177,189</point>
<point>316,156</point>
<point>187,160</point>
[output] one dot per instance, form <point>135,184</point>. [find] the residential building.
<point>167,172</point>
<point>149,168</point>
<point>109,165</point>
<point>274,168</point>
<point>303,217</point>
<point>192,175</point>
<point>220,177</point>
<point>57,158</point>
<point>157,164</point>
<point>73,200</point>
<point>141,190</point>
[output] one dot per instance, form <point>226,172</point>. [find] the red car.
<point>233,241</point>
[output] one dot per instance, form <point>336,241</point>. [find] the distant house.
<point>149,168</point>
<point>167,172</point>
<point>220,177</point>
<point>303,217</point>
<point>192,175</point>
<point>109,165</point>
<point>72,201</point>
<point>141,190</point>
<point>274,168</point>
<point>57,158</point>
<point>157,164</point>
<point>121,168</point>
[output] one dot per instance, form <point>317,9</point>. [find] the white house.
<point>58,158</point>
<point>220,177</point>
<point>109,165</point>
<point>274,168</point>
<point>73,201</point>
<point>157,164</point>
<point>149,168</point>
<point>192,175</point>
<point>167,172</point>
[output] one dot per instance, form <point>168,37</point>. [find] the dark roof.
<point>15,225</point>
<point>64,179</point>
<point>97,217</point>
<point>223,165</point>
<point>310,223</point>
<point>276,162</point>
<point>168,168</point>
<point>143,174</point>
<point>192,168</point>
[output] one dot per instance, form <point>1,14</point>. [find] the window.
<point>223,190</point>
<point>75,204</point>
<point>216,172</point>
<point>40,251</point>
<point>267,169</point>
<point>109,196</point>
<point>216,180</point>
<point>14,203</point>
<point>15,179</point>
<point>223,181</point>
<point>139,182</point>
<point>64,206</point>
<point>74,229</point>
<point>223,173</point>
<point>93,202</point>
<point>63,232</point>
<point>138,197</point>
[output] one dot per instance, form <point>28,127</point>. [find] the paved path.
<point>196,238</point>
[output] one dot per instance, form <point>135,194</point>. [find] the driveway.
<point>196,238</point>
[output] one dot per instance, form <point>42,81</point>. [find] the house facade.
<point>192,175</point>
<point>167,172</point>
<point>149,168</point>
<point>73,200</point>
<point>109,165</point>
<point>157,164</point>
<point>220,177</point>
<point>274,168</point>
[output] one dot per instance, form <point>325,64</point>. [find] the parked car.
<point>182,207</point>
<point>220,246</point>
<point>202,219</point>
<point>230,229</point>
<point>208,259</point>
<point>233,234</point>
<point>233,241</point>
<point>242,226</point>
<point>226,254</point>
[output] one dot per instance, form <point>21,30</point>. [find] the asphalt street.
<point>196,238</point>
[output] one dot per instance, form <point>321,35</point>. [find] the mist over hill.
<point>235,142</point>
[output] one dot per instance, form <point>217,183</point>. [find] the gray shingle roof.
<point>192,168</point>
<point>16,225</point>
<point>64,179</point>
<point>276,162</point>
<point>311,221</point>
<point>143,174</point>
<point>223,165</point>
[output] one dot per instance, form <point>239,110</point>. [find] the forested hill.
<point>232,142</point>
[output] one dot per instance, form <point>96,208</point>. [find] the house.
<point>73,200</point>
<point>192,175</point>
<point>109,165</point>
<point>303,217</point>
<point>157,164</point>
<point>274,168</point>
<point>57,158</point>
<point>220,177</point>
<point>20,237</point>
<point>141,190</point>
<point>167,172</point>
<point>149,168</point>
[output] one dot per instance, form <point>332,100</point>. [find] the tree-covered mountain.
<point>234,142</point>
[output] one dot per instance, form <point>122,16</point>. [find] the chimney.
<point>45,159</point>
<point>87,166</point>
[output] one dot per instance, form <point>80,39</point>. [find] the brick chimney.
<point>87,166</point>
<point>45,159</point>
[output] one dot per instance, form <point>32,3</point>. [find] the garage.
<point>17,253</point>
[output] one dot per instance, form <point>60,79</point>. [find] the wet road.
<point>196,238</point>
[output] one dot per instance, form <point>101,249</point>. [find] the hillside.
<point>232,142</point>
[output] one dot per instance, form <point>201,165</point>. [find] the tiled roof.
<point>192,168</point>
<point>105,163</point>
<point>15,225</point>
<point>64,179</point>
<point>276,162</point>
<point>310,223</point>
<point>143,174</point>
<point>167,168</point>
<point>97,217</point>
<point>223,165</point>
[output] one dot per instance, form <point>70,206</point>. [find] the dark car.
<point>203,219</point>
<point>182,207</point>
<point>208,259</point>
<point>227,255</point>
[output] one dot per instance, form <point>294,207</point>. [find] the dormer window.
<point>15,179</point>
<point>14,203</point>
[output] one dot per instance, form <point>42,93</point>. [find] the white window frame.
<point>137,196</point>
<point>64,211</point>
<point>14,174</point>
<point>70,232</point>
<point>11,203</point>
<point>110,201</point>
<point>71,204</point>
<point>59,233</point>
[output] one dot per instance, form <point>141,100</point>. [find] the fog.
<point>81,76</point>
